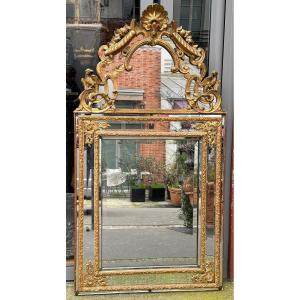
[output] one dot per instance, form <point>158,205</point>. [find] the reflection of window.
<point>194,15</point>
<point>105,3</point>
<point>83,11</point>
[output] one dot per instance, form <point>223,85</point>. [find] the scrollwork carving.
<point>153,29</point>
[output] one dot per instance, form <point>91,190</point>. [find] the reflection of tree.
<point>132,161</point>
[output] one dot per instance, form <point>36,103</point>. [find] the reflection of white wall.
<point>196,157</point>
<point>171,148</point>
<point>166,61</point>
<point>165,104</point>
<point>144,4</point>
<point>168,5</point>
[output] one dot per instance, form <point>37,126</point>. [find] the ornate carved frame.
<point>92,122</point>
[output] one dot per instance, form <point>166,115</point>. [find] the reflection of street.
<point>145,236</point>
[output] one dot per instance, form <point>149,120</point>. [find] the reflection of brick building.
<point>146,76</point>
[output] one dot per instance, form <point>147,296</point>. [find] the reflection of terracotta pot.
<point>210,198</point>
<point>175,196</point>
<point>210,203</point>
<point>193,197</point>
<point>188,185</point>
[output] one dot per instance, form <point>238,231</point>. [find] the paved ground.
<point>142,236</point>
<point>225,294</point>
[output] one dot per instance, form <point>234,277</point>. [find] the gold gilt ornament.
<point>201,93</point>
<point>93,277</point>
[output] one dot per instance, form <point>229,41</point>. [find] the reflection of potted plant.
<point>157,192</point>
<point>137,192</point>
<point>174,187</point>
<point>210,196</point>
<point>175,175</point>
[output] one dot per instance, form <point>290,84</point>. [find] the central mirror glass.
<point>149,196</point>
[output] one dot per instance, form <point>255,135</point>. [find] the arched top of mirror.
<point>101,89</point>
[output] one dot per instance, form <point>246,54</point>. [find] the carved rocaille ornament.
<point>90,126</point>
<point>209,128</point>
<point>93,277</point>
<point>201,93</point>
<point>205,276</point>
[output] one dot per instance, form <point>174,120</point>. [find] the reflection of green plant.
<point>157,186</point>
<point>178,171</point>
<point>155,167</point>
<point>129,160</point>
<point>187,211</point>
<point>172,178</point>
<point>132,161</point>
<point>211,172</point>
<point>138,186</point>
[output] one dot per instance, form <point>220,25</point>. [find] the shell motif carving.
<point>154,19</point>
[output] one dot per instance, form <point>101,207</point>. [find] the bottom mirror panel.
<point>149,207</point>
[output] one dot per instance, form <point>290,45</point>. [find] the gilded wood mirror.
<point>149,164</point>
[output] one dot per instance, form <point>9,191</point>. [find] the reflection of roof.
<point>172,87</point>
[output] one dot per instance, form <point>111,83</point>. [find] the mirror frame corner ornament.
<point>97,108</point>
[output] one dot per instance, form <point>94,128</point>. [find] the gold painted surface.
<point>218,197</point>
<point>81,201</point>
<point>90,125</point>
<point>204,98</point>
<point>135,133</point>
<point>154,28</point>
<point>202,208</point>
<point>92,277</point>
<point>97,168</point>
<point>209,128</point>
<point>205,275</point>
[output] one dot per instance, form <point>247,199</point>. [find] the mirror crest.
<point>101,89</point>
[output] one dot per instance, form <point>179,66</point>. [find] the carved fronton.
<point>153,29</point>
